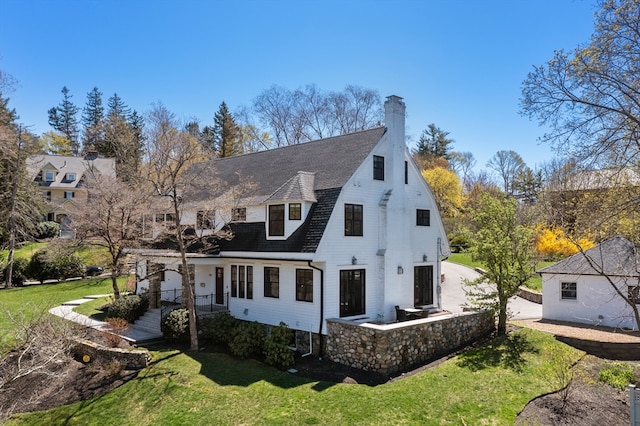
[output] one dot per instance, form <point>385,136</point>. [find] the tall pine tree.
<point>227,135</point>
<point>64,119</point>
<point>92,120</point>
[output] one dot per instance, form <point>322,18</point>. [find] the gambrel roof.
<point>616,256</point>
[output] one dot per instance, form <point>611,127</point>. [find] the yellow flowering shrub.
<point>553,243</point>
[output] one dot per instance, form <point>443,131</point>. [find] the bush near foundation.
<point>129,308</point>
<point>175,326</point>
<point>277,351</point>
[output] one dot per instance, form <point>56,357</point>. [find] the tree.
<point>123,138</point>
<point>92,119</point>
<point>527,185</point>
<point>434,142</point>
<point>589,97</point>
<point>446,188</point>
<point>54,143</point>
<point>463,163</point>
<point>20,201</point>
<point>111,219</point>
<point>170,155</point>
<point>505,248</point>
<point>508,165</point>
<point>227,136</point>
<point>302,115</point>
<point>63,118</point>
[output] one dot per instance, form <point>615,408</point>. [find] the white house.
<point>343,227</point>
<point>581,289</point>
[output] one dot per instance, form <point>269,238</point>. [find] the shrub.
<point>220,328</point>
<point>47,229</point>
<point>54,265</point>
<point>175,326</point>
<point>459,243</point>
<point>617,374</point>
<point>129,308</point>
<point>248,339</point>
<point>19,272</point>
<point>276,347</point>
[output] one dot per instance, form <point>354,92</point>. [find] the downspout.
<point>321,309</point>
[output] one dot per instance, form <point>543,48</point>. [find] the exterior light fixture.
<point>424,257</point>
<point>400,270</point>
<point>354,261</point>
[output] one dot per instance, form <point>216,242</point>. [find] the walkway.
<point>134,334</point>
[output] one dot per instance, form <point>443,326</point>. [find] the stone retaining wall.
<point>131,359</point>
<point>389,348</point>
<point>530,295</point>
<point>608,350</point>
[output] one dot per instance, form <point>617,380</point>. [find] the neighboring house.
<point>61,179</point>
<point>343,227</point>
<point>573,290</point>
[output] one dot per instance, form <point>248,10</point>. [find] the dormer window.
<point>378,167</point>
<point>49,176</point>
<point>239,214</point>
<point>70,177</point>
<point>295,211</point>
<point>276,220</point>
<point>205,220</point>
<point>69,195</point>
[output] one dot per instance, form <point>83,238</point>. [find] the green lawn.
<point>489,385</point>
<point>535,282</point>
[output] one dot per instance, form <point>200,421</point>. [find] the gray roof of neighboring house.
<point>616,256</point>
<point>64,164</point>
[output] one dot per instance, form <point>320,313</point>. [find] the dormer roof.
<point>299,188</point>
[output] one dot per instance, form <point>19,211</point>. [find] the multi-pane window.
<point>353,220</point>
<point>568,291</point>
<point>352,284</point>
<point>304,285</point>
<point>68,195</point>
<point>242,281</point>
<point>49,176</point>
<point>271,282</point>
<point>205,219</point>
<point>276,220</point>
<point>378,167</point>
<point>239,214</point>
<point>422,285</point>
<point>295,211</point>
<point>423,217</point>
<point>70,177</point>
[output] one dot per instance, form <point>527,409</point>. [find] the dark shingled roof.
<point>332,160</point>
<point>616,256</point>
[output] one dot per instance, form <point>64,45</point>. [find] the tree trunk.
<point>13,225</point>
<point>502,317</point>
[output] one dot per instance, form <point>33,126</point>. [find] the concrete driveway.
<point>453,296</point>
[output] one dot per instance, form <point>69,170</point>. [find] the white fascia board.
<point>268,255</point>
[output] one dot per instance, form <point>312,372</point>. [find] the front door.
<point>219,286</point>
<point>423,285</point>
<point>352,287</point>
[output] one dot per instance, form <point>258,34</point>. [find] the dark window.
<point>239,214</point>
<point>276,220</point>
<point>205,220</point>
<point>304,285</point>
<point>353,220</point>
<point>352,285</point>
<point>47,195</point>
<point>423,217</point>
<point>423,285</point>
<point>242,281</point>
<point>271,282</point>
<point>406,172</point>
<point>69,194</point>
<point>378,167</point>
<point>295,211</point>
<point>569,291</point>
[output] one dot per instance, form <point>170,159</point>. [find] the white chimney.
<point>394,112</point>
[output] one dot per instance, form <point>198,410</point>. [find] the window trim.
<point>269,284</point>
<point>378,167</point>
<point>205,219</point>
<point>353,226</point>
<point>239,214</point>
<point>569,293</point>
<point>423,217</point>
<point>67,193</point>
<point>363,292</point>
<point>307,294</point>
<point>242,283</point>
<point>70,177</point>
<point>46,176</point>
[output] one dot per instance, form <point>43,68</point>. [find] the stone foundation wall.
<point>389,348</point>
<point>530,295</point>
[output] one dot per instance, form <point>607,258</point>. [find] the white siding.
<point>596,303</point>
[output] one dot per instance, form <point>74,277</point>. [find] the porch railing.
<point>169,300</point>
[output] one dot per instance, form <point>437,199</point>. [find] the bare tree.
<point>589,97</point>
<point>508,164</point>
<point>111,218</point>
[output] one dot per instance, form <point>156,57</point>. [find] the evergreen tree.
<point>92,119</point>
<point>227,137</point>
<point>64,119</point>
<point>207,137</point>
<point>434,142</point>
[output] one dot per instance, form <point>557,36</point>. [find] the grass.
<point>535,282</point>
<point>488,385</point>
<point>25,251</point>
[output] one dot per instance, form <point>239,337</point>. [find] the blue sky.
<point>457,63</point>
